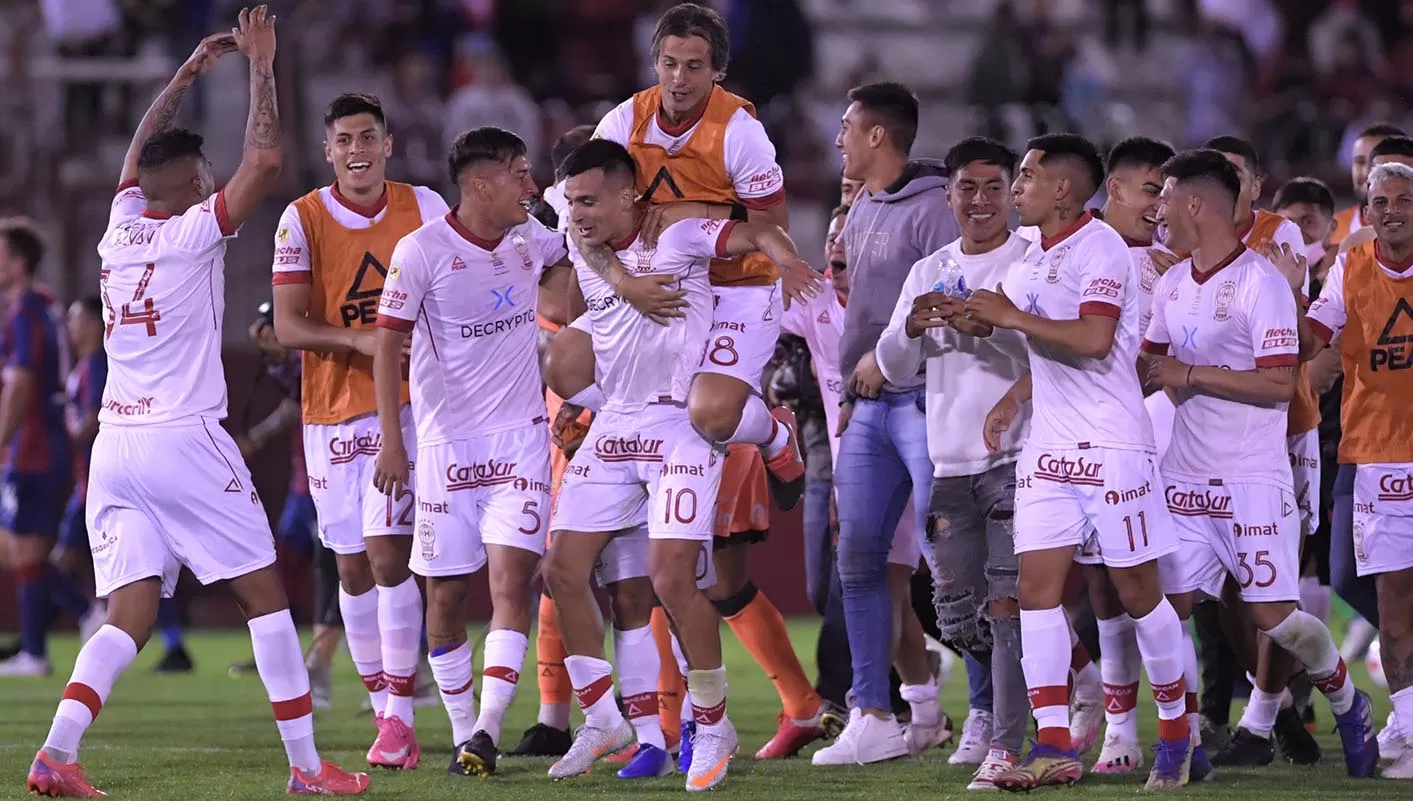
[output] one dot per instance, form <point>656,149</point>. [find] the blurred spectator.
<point>493,98</point>
<point>999,74</point>
<point>1219,77</point>
<point>414,110</point>
<point>1342,36</point>
<point>1049,51</point>
<point>73,24</point>
<point>1348,83</point>
<point>1255,21</point>
<point>1127,16</point>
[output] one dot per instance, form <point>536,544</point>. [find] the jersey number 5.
<point>138,311</point>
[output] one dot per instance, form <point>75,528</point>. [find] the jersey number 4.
<point>138,311</point>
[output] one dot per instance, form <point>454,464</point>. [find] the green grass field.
<point>206,736</point>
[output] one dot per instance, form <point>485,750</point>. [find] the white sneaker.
<point>90,623</point>
<point>976,740</point>
<point>712,750</point>
<point>1402,768</point>
<point>920,738</point>
<point>1119,755</point>
<point>1357,639</point>
<point>24,665</point>
<point>1086,721</point>
<point>864,741</point>
<point>1392,743</point>
<point>945,660</point>
<point>997,762</point>
<point>590,745</point>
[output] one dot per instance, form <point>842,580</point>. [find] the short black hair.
<point>1393,146</point>
<point>982,149</point>
<point>896,107</point>
<point>1381,130</point>
<point>568,141</point>
<point>1073,147</point>
<point>352,104</point>
<point>1205,164</point>
<point>167,146</point>
<point>21,235</point>
<point>93,305</point>
<point>600,154</point>
<point>689,19</point>
<point>1236,146</point>
<point>1305,190</point>
<point>842,208</point>
<point>486,144</point>
<point>1139,151</point>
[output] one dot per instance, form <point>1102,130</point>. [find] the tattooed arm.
<point>654,296</point>
<point>164,109</point>
<point>260,162</point>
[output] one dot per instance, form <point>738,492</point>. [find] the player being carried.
<point>331,255</point>
<point>464,286</point>
<point>168,486</point>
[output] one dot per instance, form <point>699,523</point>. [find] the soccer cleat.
<point>997,762</point>
<point>865,740</point>
<point>1171,766</point>
<point>648,762</point>
<point>1296,744</point>
<point>712,750</point>
<point>177,660</point>
<point>785,472</point>
<point>1086,722</point>
<point>477,756</point>
<point>684,746</point>
<point>1119,755</point>
<point>975,747</point>
<point>1214,735</point>
<point>1044,766</point>
<point>543,740</point>
<point>1201,768</point>
<point>1400,768</point>
<point>1392,744</point>
<point>57,780</point>
<point>395,747</point>
<point>622,757</point>
<point>791,736</point>
<point>330,780</point>
<point>24,665</point>
<point>590,745</point>
<point>245,667</point>
<point>919,738</point>
<point>1356,734</point>
<point>833,719</point>
<point>1245,750</point>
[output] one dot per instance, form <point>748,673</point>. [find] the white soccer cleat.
<point>1086,721</point>
<point>24,665</point>
<point>997,762</point>
<point>90,623</point>
<point>1402,767</point>
<point>1392,743</point>
<point>864,741</point>
<point>920,738</point>
<point>712,750</point>
<point>1119,755</point>
<point>591,745</point>
<point>976,740</point>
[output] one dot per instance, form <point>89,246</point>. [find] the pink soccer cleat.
<point>330,780</point>
<point>396,746</point>
<point>57,780</point>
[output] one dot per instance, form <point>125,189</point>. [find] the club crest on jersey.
<point>523,251</point>
<point>427,538</point>
<point>1053,275</point>
<point>643,260</point>
<point>1225,296</point>
<point>282,235</point>
<point>497,264</point>
<point>1147,273</point>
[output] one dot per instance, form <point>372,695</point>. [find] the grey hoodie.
<point>883,235</point>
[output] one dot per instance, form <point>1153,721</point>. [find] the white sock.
<point>706,690</point>
<point>400,620</point>
<point>635,654</point>
<point>1310,641</point>
<point>1192,677</point>
<point>1119,665</point>
<point>1259,716</point>
<point>1402,710</point>
<point>590,397</point>
<point>280,662</point>
<point>592,679</point>
<point>504,657</point>
<point>453,672</point>
<point>922,699</point>
<point>556,716</point>
<point>1315,598</point>
<point>682,671</point>
<point>101,660</point>
<point>365,643</point>
<point>758,427</point>
<point>1044,634</point>
<point>1159,635</point>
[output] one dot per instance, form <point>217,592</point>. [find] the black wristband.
<point>739,213</point>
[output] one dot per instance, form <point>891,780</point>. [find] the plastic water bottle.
<point>950,280</point>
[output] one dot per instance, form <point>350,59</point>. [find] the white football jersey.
<point>1080,402</point>
<point>163,286</point>
<point>637,361</point>
<point>470,306</point>
<point>1239,316</point>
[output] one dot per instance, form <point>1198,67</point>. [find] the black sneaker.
<point>475,757</point>
<point>1298,746</point>
<point>1245,750</point>
<point>541,740</point>
<point>176,660</point>
<point>1214,735</point>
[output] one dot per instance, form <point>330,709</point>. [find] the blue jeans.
<point>1358,592</point>
<point>882,458</point>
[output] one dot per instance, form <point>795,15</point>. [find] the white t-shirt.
<point>164,293</point>
<point>470,305</point>
<point>966,375</point>
<point>820,323</point>
<point>292,245</point>
<point>1328,314</point>
<point>748,152</point>
<point>637,361</point>
<point>1082,402</point>
<point>1240,316</point>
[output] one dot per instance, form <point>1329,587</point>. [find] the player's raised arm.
<point>801,281</point>
<point>264,152</point>
<point>163,111</point>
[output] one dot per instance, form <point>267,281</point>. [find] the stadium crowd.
<point>1016,369</point>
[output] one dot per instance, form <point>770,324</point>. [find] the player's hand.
<point>1165,371</point>
<point>867,380</point>
<point>661,215</point>
<point>390,472</point>
<point>800,282</point>
<point>998,422</point>
<point>659,298</point>
<point>992,308</point>
<point>206,54</point>
<point>1291,265</point>
<point>846,413</point>
<point>1163,260</point>
<point>932,310</point>
<point>255,33</point>
<point>1324,370</point>
<point>566,431</point>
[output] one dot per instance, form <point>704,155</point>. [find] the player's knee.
<point>631,602</point>
<point>355,573</point>
<point>446,601</point>
<point>734,603</point>
<point>675,588</point>
<point>389,569</point>
<point>1137,594</point>
<point>862,562</point>
<point>712,415</point>
<point>563,576</point>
